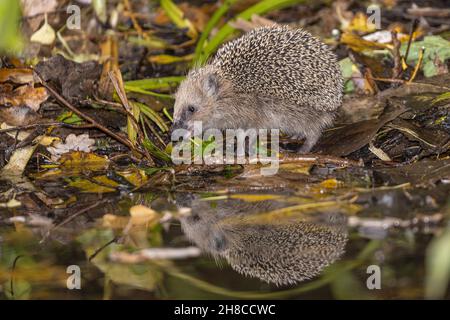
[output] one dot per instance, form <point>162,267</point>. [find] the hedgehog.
<point>272,77</point>
<point>283,251</point>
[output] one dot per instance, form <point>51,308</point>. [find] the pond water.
<point>310,232</point>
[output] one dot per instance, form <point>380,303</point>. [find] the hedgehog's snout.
<point>181,129</point>
<point>178,124</point>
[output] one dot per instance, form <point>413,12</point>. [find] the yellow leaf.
<point>134,176</point>
<point>331,183</point>
<point>87,186</point>
<point>358,44</point>
<point>141,214</point>
<point>168,59</point>
<point>45,35</point>
<point>114,222</point>
<point>255,197</point>
<point>359,24</point>
<point>89,161</point>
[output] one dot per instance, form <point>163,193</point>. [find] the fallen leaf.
<point>45,35</point>
<point>26,95</point>
<point>18,161</point>
<point>99,184</point>
<point>83,160</point>
<point>435,46</point>
<point>358,44</point>
<point>37,7</point>
<point>81,142</point>
<point>141,214</point>
<point>16,75</point>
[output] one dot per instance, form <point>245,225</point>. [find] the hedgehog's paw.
<point>309,143</point>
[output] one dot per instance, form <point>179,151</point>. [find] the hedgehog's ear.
<point>211,85</point>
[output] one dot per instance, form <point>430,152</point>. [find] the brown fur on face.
<point>219,105</point>
<point>206,92</point>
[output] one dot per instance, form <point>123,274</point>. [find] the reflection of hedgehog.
<point>284,251</point>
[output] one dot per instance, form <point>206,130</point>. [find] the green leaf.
<point>152,115</point>
<point>100,10</point>
<point>155,151</point>
<point>69,117</point>
<point>10,39</point>
<point>346,66</point>
<point>438,266</point>
<point>218,14</point>
<point>435,46</point>
<point>154,83</point>
<point>177,17</point>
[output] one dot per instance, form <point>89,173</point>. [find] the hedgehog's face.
<point>196,99</point>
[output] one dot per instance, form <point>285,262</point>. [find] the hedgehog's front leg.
<point>310,141</point>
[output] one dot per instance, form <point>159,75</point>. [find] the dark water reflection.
<point>312,242</point>
<point>278,250</point>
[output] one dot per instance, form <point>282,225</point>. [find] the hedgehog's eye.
<point>191,109</point>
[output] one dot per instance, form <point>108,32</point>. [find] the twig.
<point>30,126</point>
<point>132,16</point>
<point>417,67</point>
<point>126,106</point>
<point>397,71</point>
<point>284,158</point>
<point>411,33</point>
<point>96,252</point>
<point>318,159</point>
<point>13,268</point>
<point>386,80</point>
<point>97,125</point>
<point>48,124</point>
<point>71,217</point>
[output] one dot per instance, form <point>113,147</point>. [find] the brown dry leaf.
<point>199,16</point>
<point>17,75</point>
<point>19,160</point>
<point>134,176</point>
<point>17,116</point>
<point>35,7</point>
<point>349,138</point>
<point>26,95</point>
<point>256,22</point>
<point>114,222</point>
<point>81,142</point>
<point>109,58</point>
<point>358,44</point>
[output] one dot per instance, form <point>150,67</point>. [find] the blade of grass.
<point>167,114</point>
<point>145,121</point>
<point>155,151</point>
<point>150,93</point>
<point>218,14</point>
<point>152,115</point>
<point>259,8</point>
<point>327,278</point>
<point>177,17</point>
<point>154,83</point>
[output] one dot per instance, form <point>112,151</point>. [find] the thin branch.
<point>97,125</point>
<point>71,217</point>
